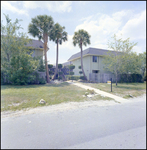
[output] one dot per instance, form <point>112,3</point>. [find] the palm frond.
<point>81,37</point>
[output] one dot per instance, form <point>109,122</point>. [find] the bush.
<point>145,78</point>
<point>131,78</point>
<point>60,66</point>
<point>60,73</point>
<point>59,78</point>
<point>72,77</point>
<point>82,77</point>
<point>42,81</point>
<point>50,72</point>
<point>4,77</point>
<point>41,67</point>
<point>33,78</point>
<point>80,72</point>
<point>71,67</point>
<point>71,73</point>
<point>50,66</point>
<point>79,67</point>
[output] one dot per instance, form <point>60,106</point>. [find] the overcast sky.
<point>101,19</point>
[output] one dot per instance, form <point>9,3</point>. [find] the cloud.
<point>135,28</point>
<point>9,7</point>
<point>102,27</point>
<point>122,15</point>
<point>54,6</point>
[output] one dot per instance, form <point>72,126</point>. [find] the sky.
<point>101,19</point>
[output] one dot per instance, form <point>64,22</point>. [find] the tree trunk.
<point>56,62</point>
<point>45,52</point>
<point>82,63</point>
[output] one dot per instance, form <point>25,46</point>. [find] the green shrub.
<point>71,73</point>
<point>72,77</point>
<point>82,77</point>
<point>60,66</point>
<point>145,78</point>
<point>42,81</point>
<point>71,67</point>
<point>59,78</point>
<point>131,78</point>
<point>41,67</point>
<point>4,77</point>
<point>50,72</point>
<point>60,73</point>
<point>80,72</point>
<point>50,66</point>
<point>79,67</point>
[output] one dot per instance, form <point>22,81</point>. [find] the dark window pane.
<point>95,71</point>
<point>94,58</point>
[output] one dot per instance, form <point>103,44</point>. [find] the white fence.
<point>101,77</point>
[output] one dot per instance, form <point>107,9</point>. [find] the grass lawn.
<point>122,89</point>
<point>28,96</point>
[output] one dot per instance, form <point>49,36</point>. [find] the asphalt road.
<point>116,126</point>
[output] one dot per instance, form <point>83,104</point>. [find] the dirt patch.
<point>58,107</point>
<point>68,106</point>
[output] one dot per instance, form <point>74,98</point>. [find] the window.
<point>94,58</point>
<point>95,71</point>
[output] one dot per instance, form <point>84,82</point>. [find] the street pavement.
<point>121,126</point>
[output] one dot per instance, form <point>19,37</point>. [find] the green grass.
<point>122,89</point>
<point>28,96</point>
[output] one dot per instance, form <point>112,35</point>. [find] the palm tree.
<point>81,37</point>
<point>40,27</point>
<point>58,35</point>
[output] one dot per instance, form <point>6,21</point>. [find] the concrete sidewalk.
<point>102,93</point>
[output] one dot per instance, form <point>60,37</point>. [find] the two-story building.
<point>92,63</point>
<point>37,47</point>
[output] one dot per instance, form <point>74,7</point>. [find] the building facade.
<point>92,64</point>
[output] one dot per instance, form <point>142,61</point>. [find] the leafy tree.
<point>142,64</point>
<point>16,63</point>
<point>41,66</point>
<point>115,62</point>
<point>81,37</point>
<point>12,41</point>
<point>40,27</point>
<point>58,35</point>
<point>21,69</point>
<point>130,64</point>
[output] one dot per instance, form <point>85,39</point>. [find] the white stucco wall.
<point>88,64</point>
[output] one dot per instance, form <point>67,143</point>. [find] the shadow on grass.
<point>3,87</point>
